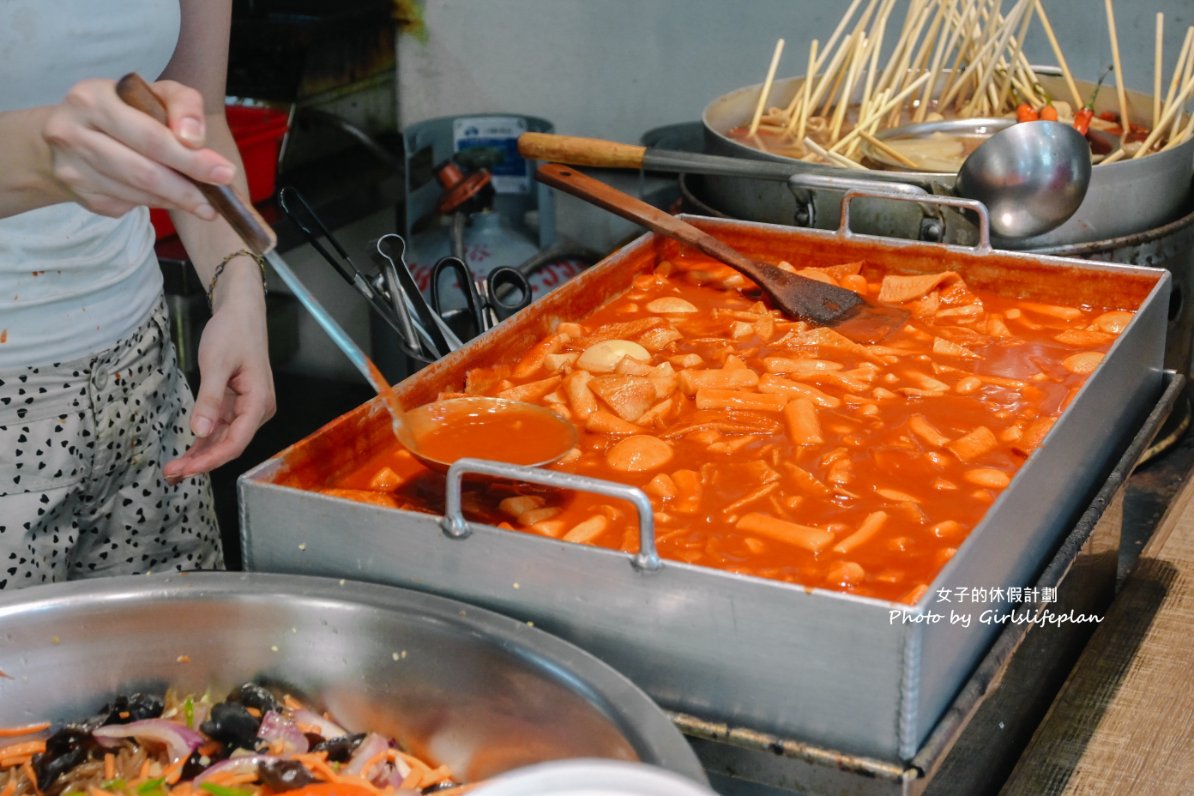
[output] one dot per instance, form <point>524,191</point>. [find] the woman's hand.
<point>236,388</point>
<point>111,158</point>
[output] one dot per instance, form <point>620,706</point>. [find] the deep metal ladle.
<point>1032,177</point>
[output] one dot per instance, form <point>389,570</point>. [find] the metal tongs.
<point>392,292</point>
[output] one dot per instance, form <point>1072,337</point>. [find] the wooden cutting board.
<point>1124,721</point>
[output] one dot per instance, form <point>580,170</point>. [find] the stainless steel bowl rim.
<point>974,127</point>
<point>1125,197</point>
<point>608,690</point>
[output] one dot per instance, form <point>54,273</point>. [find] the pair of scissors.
<point>489,299</point>
<point>423,334</point>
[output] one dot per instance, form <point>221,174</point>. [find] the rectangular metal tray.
<point>841,671</point>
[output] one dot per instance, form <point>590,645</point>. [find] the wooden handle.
<point>578,151</point>
<point>585,187</point>
<point>795,295</point>
<point>240,214</point>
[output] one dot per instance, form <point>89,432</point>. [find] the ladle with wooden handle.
<point>796,296</point>
<point>1031,176</point>
<point>599,153</point>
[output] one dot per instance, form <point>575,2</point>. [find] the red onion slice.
<point>278,728</point>
<point>370,747</point>
<point>240,764</point>
<point>324,727</point>
<point>180,741</point>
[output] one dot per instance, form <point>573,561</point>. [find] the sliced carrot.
<point>333,789</point>
<point>31,775</point>
<point>436,775</point>
<point>109,766</point>
<point>231,778</point>
<point>319,766</point>
<point>209,748</point>
<point>28,729</point>
<point>174,771</point>
<point>23,749</point>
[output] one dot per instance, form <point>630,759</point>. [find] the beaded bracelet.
<point>211,288</point>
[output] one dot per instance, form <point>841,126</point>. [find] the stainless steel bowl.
<point>978,129</point>
<point>476,690</point>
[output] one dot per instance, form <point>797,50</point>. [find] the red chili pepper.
<point>1082,118</point>
<point>1049,113</point>
<point>1026,113</point>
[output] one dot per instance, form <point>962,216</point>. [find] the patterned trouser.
<point>82,446</point>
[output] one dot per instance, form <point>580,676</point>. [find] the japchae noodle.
<point>252,743</point>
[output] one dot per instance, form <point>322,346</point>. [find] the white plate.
<point>591,778</point>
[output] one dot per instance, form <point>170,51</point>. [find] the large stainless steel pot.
<point>1123,198</point>
<point>471,688</point>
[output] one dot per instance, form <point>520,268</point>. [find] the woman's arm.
<point>93,149</point>
<point>236,393</point>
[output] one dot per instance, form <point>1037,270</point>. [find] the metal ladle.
<point>1032,177</point>
<point>413,426</point>
<point>410,427</point>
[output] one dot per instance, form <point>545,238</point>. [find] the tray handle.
<point>980,209</point>
<point>456,526</point>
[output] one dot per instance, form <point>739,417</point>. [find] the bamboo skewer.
<point>1181,137</point>
<point>833,77</point>
<point>1001,98</point>
<point>928,43</point>
<point>1183,72</point>
<point>832,157</point>
<point>971,12</point>
<point>1057,53</point>
<point>1121,91</point>
<point>1170,114</point>
<point>837,32</point>
<point>968,54</point>
<point>978,64</point>
<point>894,102</point>
<point>890,74</point>
<point>1158,51</point>
<point>843,104</point>
<point>889,150</point>
<point>905,63</point>
<point>1000,43</point>
<point>797,96</point>
<point>1182,57</point>
<point>944,44</point>
<point>766,89</point>
<point>873,49</point>
<point>798,119</point>
<point>849,51</point>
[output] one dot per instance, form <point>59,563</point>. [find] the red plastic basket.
<point>258,134</point>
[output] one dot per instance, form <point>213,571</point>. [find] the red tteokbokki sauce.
<point>773,448</point>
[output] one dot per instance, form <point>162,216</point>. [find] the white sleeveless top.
<point>72,283</point>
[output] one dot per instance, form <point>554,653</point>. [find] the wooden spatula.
<point>796,296</point>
